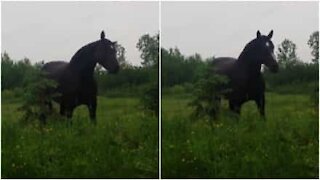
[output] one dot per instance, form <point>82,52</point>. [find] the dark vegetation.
<point>124,143</point>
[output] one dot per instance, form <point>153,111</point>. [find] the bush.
<point>36,98</point>
<point>208,92</point>
<point>150,99</point>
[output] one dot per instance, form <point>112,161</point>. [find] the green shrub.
<point>150,99</point>
<point>36,97</point>
<point>208,92</point>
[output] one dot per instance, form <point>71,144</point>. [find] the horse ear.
<point>114,42</point>
<point>102,36</point>
<point>258,34</point>
<point>270,34</point>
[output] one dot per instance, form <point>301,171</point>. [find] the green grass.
<point>124,144</point>
<point>285,145</point>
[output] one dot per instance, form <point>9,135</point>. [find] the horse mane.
<point>245,52</point>
<point>83,51</point>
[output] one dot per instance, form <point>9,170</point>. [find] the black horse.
<point>246,81</point>
<point>76,83</point>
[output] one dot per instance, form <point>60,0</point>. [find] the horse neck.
<point>83,62</point>
<point>246,61</point>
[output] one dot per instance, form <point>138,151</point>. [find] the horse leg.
<point>260,101</point>
<point>44,113</point>
<point>66,110</point>
<point>92,110</point>
<point>235,107</point>
<point>62,109</point>
<point>69,113</point>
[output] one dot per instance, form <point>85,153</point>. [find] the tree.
<point>121,56</point>
<point>287,53</point>
<point>313,43</point>
<point>5,57</point>
<point>149,47</point>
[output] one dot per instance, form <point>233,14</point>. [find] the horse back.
<point>223,65</point>
<point>55,69</point>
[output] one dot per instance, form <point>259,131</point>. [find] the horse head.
<point>106,54</point>
<point>264,49</point>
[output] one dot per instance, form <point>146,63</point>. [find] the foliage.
<point>124,144</point>
<point>125,82</point>
<point>315,97</point>
<point>296,77</point>
<point>207,95</point>
<point>15,74</point>
<point>177,69</point>
<point>286,54</point>
<point>121,57</point>
<point>150,98</point>
<point>149,47</point>
<point>283,146</point>
<point>36,97</point>
<point>313,43</point>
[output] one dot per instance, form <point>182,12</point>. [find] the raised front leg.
<point>260,101</point>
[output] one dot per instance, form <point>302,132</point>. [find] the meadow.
<point>284,145</point>
<point>123,144</point>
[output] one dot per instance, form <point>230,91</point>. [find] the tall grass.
<point>124,144</point>
<point>285,145</point>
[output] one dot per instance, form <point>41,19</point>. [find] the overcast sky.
<point>224,28</point>
<point>56,30</point>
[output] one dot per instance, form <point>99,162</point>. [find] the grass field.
<point>124,144</point>
<point>285,145</point>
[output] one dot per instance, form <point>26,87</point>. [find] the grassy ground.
<point>285,145</point>
<point>124,144</point>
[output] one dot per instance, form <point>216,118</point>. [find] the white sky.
<point>224,28</point>
<point>56,30</point>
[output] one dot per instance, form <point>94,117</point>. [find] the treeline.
<point>295,75</point>
<point>180,73</point>
<point>178,69</point>
<point>15,74</point>
<point>129,81</point>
